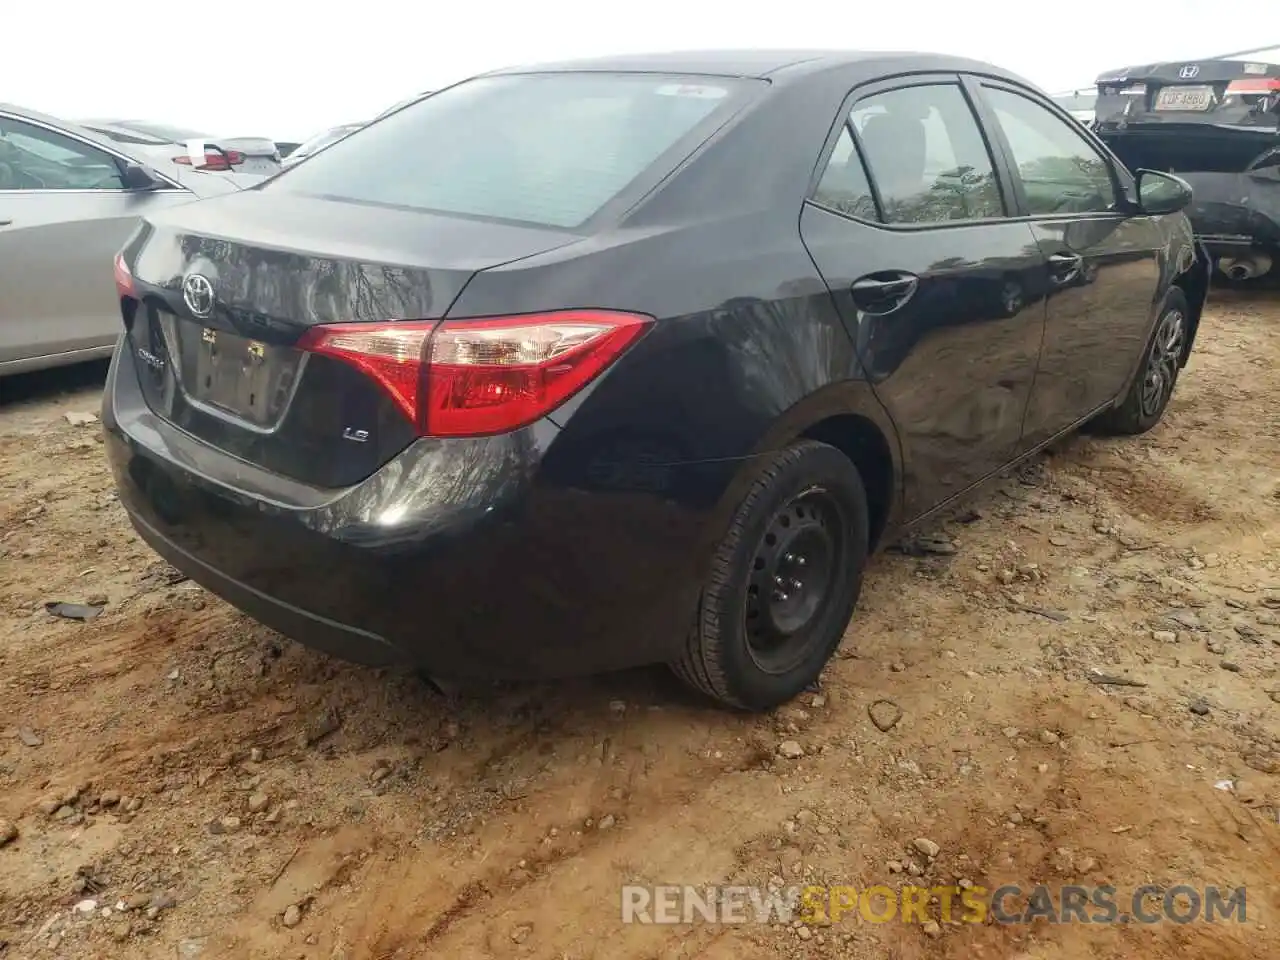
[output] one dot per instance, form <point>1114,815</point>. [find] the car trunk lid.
<point>227,287</point>
<point>1230,93</point>
<point>258,155</point>
<point>247,155</point>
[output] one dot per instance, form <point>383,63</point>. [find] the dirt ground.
<point>183,782</point>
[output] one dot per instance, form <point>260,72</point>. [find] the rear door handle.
<point>5,223</point>
<point>884,292</point>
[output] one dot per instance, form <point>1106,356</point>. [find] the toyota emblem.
<point>197,293</point>
<point>1189,72</point>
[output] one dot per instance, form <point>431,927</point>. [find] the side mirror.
<point>137,177</point>
<point>1161,193</point>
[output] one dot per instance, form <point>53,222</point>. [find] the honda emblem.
<point>1189,72</point>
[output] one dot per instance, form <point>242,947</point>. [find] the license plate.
<point>1184,98</point>
<point>243,377</point>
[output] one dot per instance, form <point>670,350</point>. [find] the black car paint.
<point>274,290</point>
<point>579,543</point>
<point>1233,212</point>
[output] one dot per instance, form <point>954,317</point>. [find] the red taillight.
<point>1254,85</point>
<point>493,375</point>
<point>124,279</point>
<point>390,353</point>
<point>213,160</point>
<point>478,377</point>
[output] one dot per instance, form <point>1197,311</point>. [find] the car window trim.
<point>879,85</point>
<point>70,135</point>
<point>988,117</point>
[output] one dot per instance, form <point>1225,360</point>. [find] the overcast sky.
<point>288,68</point>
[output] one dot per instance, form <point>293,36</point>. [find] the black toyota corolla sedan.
<point>569,368</point>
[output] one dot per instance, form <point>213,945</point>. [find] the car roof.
<point>112,126</point>
<point>94,122</point>
<point>1212,69</point>
<point>85,133</point>
<point>158,132</point>
<point>765,64</point>
<point>98,122</point>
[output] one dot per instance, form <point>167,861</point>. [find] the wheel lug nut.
<point>799,561</point>
<point>779,582</point>
<point>789,557</point>
<point>797,585</point>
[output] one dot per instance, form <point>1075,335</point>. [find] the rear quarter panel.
<point>748,351</point>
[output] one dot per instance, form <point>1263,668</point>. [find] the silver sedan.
<point>69,199</point>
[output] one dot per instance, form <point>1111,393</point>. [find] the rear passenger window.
<point>926,155</point>
<point>844,187</point>
<point>34,158</point>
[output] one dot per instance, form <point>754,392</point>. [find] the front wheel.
<point>783,582</point>
<point>1151,390</point>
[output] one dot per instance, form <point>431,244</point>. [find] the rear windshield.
<point>119,136</point>
<point>163,131</point>
<point>549,149</point>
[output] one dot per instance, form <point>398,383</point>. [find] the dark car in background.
<point>536,376</point>
<point>1216,124</point>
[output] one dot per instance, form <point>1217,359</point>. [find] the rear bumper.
<point>471,558</point>
<point>315,630</point>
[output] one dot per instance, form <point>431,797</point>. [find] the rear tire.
<point>1149,394</point>
<point>784,581</point>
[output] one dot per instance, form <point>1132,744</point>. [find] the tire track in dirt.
<point>554,863</point>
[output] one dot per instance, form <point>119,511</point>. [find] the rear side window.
<point>546,149</point>
<point>844,186</point>
<point>927,156</point>
<point>34,158</point>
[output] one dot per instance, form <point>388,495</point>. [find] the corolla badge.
<point>197,294</point>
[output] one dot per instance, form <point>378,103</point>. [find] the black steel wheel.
<point>793,577</point>
<point>783,583</point>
